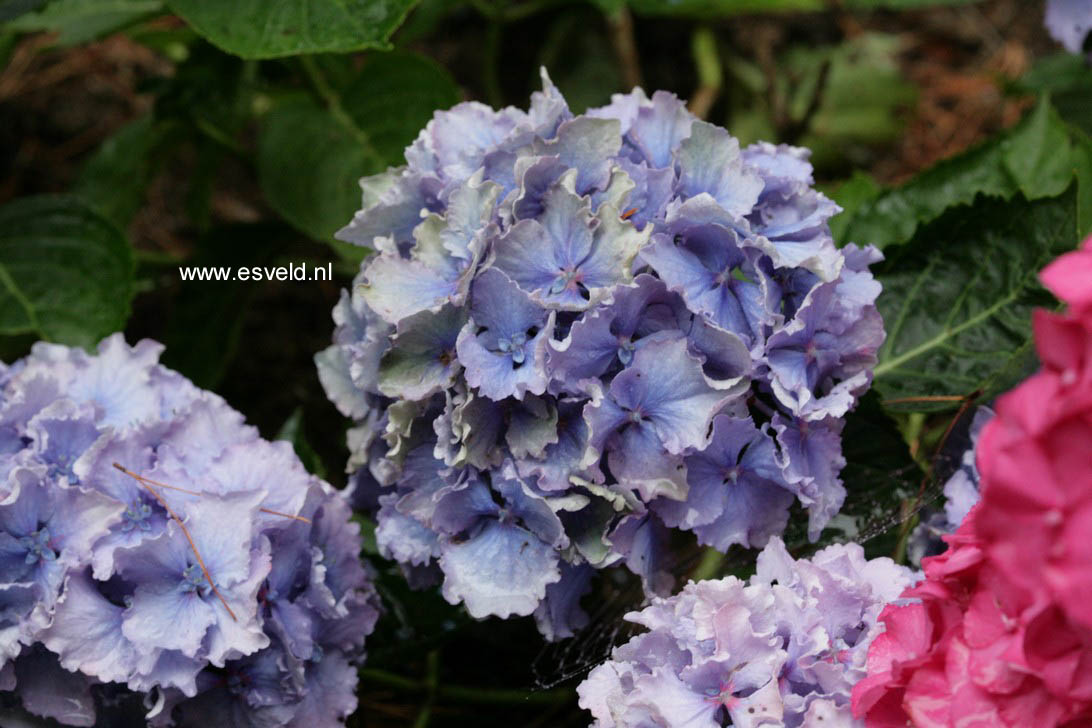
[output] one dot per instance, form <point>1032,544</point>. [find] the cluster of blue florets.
<point>161,562</point>
<point>782,649</point>
<point>578,332</point>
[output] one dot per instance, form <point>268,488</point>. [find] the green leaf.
<point>277,28</point>
<point>66,273</point>
<point>292,431</point>
<point>865,95</point>
<point>1020,159</point>
<point>80,21</point>
<point>957,298</point>
<point>309,166</point>
<point>1082,162</point>
<point>394,96</point>
<point>880,474</point>
<point>114,179</point>
<point>1037,154</point>
<point>11,9</point>
<point>1068,80</point>
<point>850,196</point>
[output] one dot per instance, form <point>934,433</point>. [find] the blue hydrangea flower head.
<point>574,333</point>
<point>152,544</point>
<point>784,648</point>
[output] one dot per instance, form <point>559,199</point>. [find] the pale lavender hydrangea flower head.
<point>103,594</point>
<point>575,333</point>
<point>783,649</point>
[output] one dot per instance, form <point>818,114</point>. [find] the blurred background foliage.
<point>140,135</point>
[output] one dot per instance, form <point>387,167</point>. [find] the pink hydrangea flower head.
<point>1001,632</point>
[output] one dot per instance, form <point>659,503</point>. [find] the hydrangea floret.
<point>782,649</point>
<point>158,555</point>
<point>578,332</point>
<point>1002,632</point>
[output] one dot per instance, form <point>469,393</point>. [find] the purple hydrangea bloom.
<point>783,649</point>
<point>1070,23</point>
<point>228,580</point>
<point>573,334</point>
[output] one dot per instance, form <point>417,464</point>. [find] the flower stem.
<point>333,104</point>
<point>467,694</point>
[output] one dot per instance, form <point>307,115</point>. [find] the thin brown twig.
<point>194,492</point>
<point>185,532</point>
<point>622,39</point>
<point>931,398</point>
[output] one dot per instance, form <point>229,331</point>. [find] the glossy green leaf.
<point>80,21</point>
<point>66,273</point>
<point>957,298</point>
<point>278,28</point>
<point>1033,157</point>
<point>1037,154</point>
<point>394,96</point>
<point>309,166</point>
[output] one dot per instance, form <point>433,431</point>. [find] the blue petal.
<point>422,360</point>
<point>665,387</point>
<point>710,163</point>
<point>659,128</point>
<point>501,571</point>
<point>587,145</point>
<point>559,615</point>
<point>502,348</point>
<point>811,458</point>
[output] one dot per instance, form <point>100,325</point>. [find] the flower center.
<point>625,350</point>
<point>37,546</point>
<point>565,278</point>
<point>136,516</point>
<point>63,466</point>
<point>193,581</point>
<point>513,346</point>
<point>722,695</point>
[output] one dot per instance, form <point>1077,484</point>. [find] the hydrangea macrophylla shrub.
<point>577,332</point>
<point>783,649</point>
<point>1002,634</point>
<point>152,542</point>
<point>1070,23</point>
